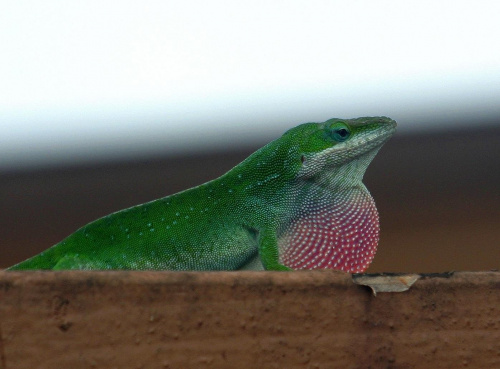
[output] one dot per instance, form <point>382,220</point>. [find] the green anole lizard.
<point>297,203</point>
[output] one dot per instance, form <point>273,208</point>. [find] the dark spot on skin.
<point>65,326</point>
<point>302,159</point>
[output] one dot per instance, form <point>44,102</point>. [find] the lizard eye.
<point>340,132</point>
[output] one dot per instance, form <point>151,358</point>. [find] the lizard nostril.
<point>302,158</point>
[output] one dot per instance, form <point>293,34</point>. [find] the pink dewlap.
<point>339,234</point>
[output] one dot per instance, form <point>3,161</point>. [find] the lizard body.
<point>297,203</point>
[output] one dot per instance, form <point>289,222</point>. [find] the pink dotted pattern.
<point>340,233</point>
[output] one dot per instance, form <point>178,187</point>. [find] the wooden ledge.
<point>246,320</point>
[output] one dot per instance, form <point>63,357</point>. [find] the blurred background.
<point>105,105</point>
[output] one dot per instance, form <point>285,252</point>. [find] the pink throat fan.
<point>340,233</point>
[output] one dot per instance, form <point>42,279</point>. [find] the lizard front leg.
<point>268,250</point>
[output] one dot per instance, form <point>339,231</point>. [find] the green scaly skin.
<point>297,203</point>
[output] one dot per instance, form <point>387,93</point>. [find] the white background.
<point>87,80</point>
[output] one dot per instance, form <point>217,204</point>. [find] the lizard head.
<point>341,149</point>
<point>334,223</point>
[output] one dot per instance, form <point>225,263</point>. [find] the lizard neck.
<point>338,231</point>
